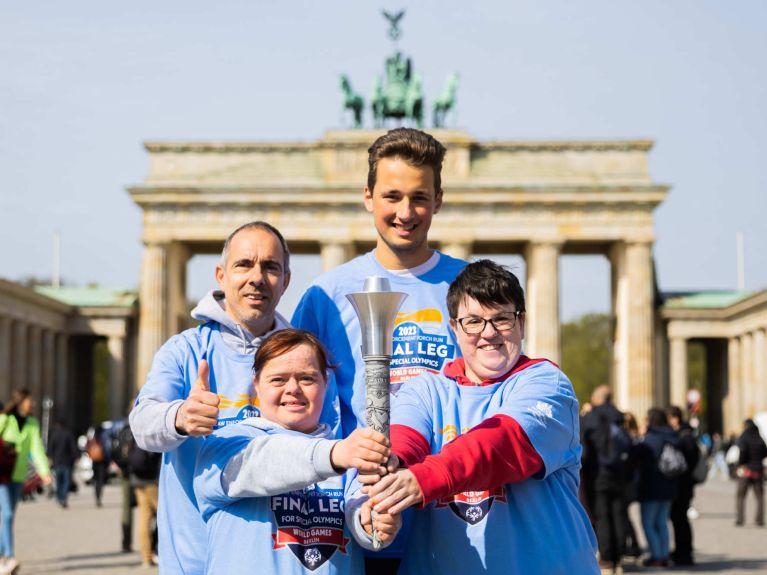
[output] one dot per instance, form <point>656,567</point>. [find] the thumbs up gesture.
<point>198,415</point>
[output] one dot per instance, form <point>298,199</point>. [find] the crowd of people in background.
<point>657,464</point>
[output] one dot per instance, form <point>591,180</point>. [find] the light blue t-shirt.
<point>303,530</point>
<point>422,338</point>
<point>537,526</point>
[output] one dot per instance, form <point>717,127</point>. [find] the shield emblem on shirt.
<point>310,523</point>
<point>473,506</point>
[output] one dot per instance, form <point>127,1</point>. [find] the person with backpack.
<point>96,450</point>
<point>20,434</point>
<point>688,444</point>
<point>144,472</point>
<point>656,488</point>
<point>750,471</point>
<point>607,447</point>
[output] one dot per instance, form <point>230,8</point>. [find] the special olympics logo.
<point>312,557</point>
<point>474,514</point>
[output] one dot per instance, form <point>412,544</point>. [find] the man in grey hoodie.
<point>202,379</point>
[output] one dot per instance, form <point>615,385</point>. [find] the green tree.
<point>586,345</point>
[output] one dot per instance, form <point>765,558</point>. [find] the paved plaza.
<point>85,539</point>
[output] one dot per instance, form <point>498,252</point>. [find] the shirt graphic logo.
<point>310,523</point>
<point>542,411</point>
<point>245,404</point>
<point>473,506</point>
<point>420,343</point>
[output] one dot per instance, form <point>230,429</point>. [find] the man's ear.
<point>368,199</point>
<point>220,276</point>
<point>286,282</point>
<point>438,201</point>
<point>453,325</point>
<point>521,322</point>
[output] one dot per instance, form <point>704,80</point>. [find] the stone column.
<point>20,357</point>
<point>760,370</point>
<point>633,291</point>
<point>62,403</point>
<point>118,392</point>
<point>334,254</point>
<point>178,255</point>
<point>746,375</point>
<point>542,300</point>
<point>153,301</point>
<point>35,363</point>
<point>461,250</point>
<point>678,371</point>
<point>733,412</point>
<point>49,365</point>
<point>6,334</point>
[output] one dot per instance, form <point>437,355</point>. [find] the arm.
<point>37,451</point>
<point>495,452</point>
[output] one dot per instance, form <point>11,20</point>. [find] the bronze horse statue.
<point>446,101</point>
<point>352,101</point>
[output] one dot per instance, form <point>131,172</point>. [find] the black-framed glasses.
<point>502,322</point>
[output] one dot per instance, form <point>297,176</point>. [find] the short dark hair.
<point>417,148</point>
<point>676,412</point>
<point>258,225</point>
<point>656,417</point>
<point>285,340</point>
<point>488,283</point>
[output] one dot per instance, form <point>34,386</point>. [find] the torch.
<point>376,309</point>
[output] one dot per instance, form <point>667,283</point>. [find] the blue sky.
<point>84,83</point>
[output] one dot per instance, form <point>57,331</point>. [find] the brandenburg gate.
<point>537,199</point>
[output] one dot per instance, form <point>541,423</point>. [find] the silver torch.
<point>376,309</point>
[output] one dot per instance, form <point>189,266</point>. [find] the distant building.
<point>46,344</point>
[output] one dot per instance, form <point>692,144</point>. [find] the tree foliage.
<point>586,347</point>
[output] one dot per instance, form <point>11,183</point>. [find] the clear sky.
<point>84,83</point>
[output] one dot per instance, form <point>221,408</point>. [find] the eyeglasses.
<point>502,322</point>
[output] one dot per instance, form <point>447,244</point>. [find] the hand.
<point>198,415</point>
<point>395,492</point>
<point>47,480</point>
<point>386,525</point>
<point>365,449</point>
<point>367,479</point>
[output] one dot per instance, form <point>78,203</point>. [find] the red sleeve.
<point>495,452</point>
<point>410,446</point>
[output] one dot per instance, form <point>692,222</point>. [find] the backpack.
<point>613,445</point>
<point>700,471</point>
<point>95,450</point>
<point>122,443</point>
<point>671,462</point>
<point>144,464</point>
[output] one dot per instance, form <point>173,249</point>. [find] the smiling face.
<point>253,279</point>
<point>490,353</point>
<point>402,202</point>
<point>291,389</point>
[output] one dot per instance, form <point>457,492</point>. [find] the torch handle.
<point>377,409</point>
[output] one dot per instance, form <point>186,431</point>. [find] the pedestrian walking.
<point>122,442</point>
<point>63,453</point>
<point>96,449</point>
<point>606,449</point>
<point>656,490</point>
<point>685,490</point>
<point>144,472</point>
<point>750,472</point>
<point>22,431</point>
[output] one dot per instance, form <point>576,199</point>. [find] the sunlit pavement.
<point>81,539</point>
<point>86,539</point>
